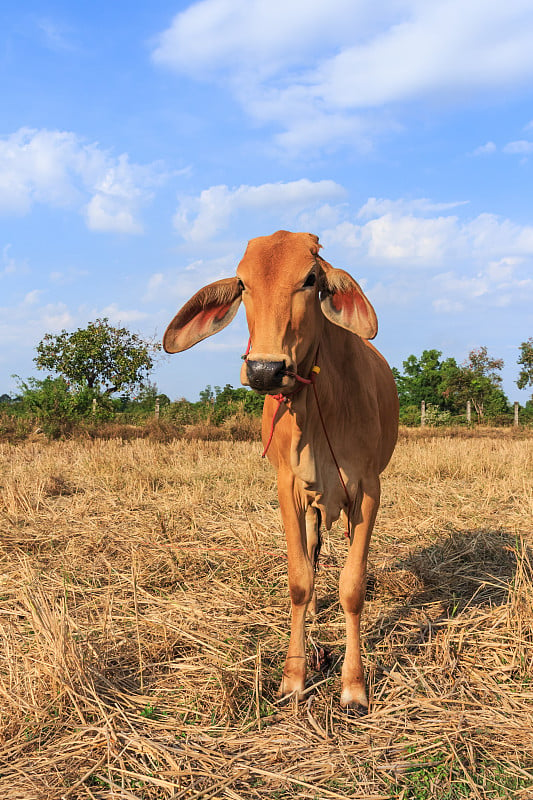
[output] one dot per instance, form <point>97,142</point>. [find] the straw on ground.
<point>144,617</point>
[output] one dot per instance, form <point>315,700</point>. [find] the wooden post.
<point>516,414</point>
<point>422,413</point>
<point>156,411</point>
<point>468,412</point>
<point>94,405</point>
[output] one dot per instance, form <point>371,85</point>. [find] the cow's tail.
<point>318,547</point>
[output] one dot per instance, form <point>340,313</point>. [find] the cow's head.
<point>287,290</point>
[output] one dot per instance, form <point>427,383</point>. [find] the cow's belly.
<point>322,488</point>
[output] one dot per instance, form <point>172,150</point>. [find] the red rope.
<point>281,398</point>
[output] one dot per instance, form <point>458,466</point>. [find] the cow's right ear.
<point>208,312</point>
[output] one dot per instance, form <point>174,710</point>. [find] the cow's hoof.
<point>354,698</point>
<point>291,687</point>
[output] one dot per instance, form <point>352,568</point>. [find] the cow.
<point>330,418</point>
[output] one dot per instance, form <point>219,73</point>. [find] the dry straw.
<point>144,617</point>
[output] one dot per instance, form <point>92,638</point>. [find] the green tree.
<point>479,381</point>
<point>100,357</point>
<point>223,403</point>
<point>525,360</point>
<point>425,378</point>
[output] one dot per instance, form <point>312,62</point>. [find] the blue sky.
<point>142,145</point>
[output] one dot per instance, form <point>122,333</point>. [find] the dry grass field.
<point>144,619</point>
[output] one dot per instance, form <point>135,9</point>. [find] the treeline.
<point>448,389</point>
<point>101,377</point>
<point>59,410</point>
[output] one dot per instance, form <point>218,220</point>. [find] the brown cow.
<point>303,313</point>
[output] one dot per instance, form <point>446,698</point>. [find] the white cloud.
<point>318,69</point>
<point>485,149</point>
<point>55,317</point>
<point>10,265</point>
<point>229,34</point>
<point>201,218</point>
<point>406,240</point>
<point>117,315</point>
<point>57,168</point>
<point>179,283</point>
<point>444,305</point>
<point>155,285</point>
<point>68,276</point>
<point>485,261</point>
<point>25,323</point>
<point>54,35</point>
<point>503,269</point>
<point>521,148</point>
<point>375,206</point>
<point>418,240</point>
<point>399,240</point>
<point>104,213</point>
<point>32,298</point>
<point>465,287</point>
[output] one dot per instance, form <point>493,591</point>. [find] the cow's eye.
<point>310,280</point>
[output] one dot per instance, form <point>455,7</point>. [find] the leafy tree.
<point>478,380</point>
<point>149,395</point>
<point>425,378</point>
<point>230,400</point>
<point>525,376</point>
<point>101,357</point>
<point>207,395</point>
<point>223,403</point>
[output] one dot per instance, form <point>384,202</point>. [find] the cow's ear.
<point>344,302</point>
<point>210,310</point>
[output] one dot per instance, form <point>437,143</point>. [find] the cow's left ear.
<point>344,303</point>
<point>206,313</point>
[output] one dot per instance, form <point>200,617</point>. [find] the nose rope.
<point>281,398</point>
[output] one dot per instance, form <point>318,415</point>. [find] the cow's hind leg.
<point>352,588</point>
<point>301,583</point>
<point>312,530</point>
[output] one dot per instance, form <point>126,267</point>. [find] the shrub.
<point>434,416</point>
<point>410,416</point>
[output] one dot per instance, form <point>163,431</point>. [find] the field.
<point>144,619</point>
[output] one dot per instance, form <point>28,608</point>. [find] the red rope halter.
<point>281,398</point>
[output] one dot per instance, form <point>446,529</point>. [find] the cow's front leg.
<point>352,588</point>
<point>301,583</point>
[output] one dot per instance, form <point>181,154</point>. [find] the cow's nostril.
<point>263,376</point>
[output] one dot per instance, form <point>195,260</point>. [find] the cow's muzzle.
<point>265,376</point>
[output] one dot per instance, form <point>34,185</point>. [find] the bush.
<point>410,416</point>
<point>57,408</point>
<point>434,416</point>
<point>243,427</point>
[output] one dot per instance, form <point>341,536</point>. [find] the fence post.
<point>94,405</point>
<point>422,413</point>
<point>468,412</point>
<point>156,410</point>
<point>516,414</point>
